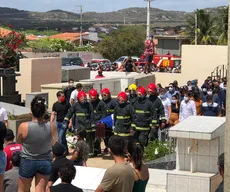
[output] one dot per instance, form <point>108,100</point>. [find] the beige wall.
<point>85,56</point>
<point>37,71</point>
<point>52,89</point>
<point>198,61</point>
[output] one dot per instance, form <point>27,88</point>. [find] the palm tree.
<point>205,28</point>
<point>222,26</point>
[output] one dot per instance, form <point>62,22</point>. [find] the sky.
<point>109,5</point>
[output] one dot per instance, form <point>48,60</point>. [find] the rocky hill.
<point>28,19</point>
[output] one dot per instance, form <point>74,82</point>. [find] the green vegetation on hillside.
<point>42,33</point>
<point>57,45</point>
<point>210,30</point>
<point>125,41</point>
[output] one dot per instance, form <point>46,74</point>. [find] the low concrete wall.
<point>37,71</point>
<point>115,84</point>
<point>144,80</point>
<point>85,56</point>
<point>118,83</point>
<point>75,72</point>
<point>52,89</point>
<point>15,109</point>
<point>113,74</point>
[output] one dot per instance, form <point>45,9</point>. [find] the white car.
<point>120,60</point>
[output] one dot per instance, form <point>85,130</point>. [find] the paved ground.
<point>100,163</point>
<point>157,180</point>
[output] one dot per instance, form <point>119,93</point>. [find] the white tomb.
<point>200,140</point>
<point>87,178</point>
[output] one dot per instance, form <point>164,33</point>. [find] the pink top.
<point>98,77</point>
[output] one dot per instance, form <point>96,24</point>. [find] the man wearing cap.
<point>123,115</point>
<point>149,52</point>
<point>10,148</point>
<point>59,158</point>
<point>143,114</point>
<point>110,105</point>
<point>132,93</point>
<point>84,117</point>
<point>159,118</point>
<point>99,110</point>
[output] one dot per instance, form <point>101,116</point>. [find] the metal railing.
<point>219,71</point>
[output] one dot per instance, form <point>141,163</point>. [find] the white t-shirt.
<point>73,96</point>
<point>187,110</point>
<point>3,115</point>
<point>166,103</point>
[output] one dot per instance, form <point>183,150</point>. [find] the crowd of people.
<point>126,124</point>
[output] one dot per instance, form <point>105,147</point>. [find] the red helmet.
<point>123,95</point>
<point>81,94</point>
<point>141,90</point>
<point>152,87</point>
<point>105,91</point>
<point>93,93</point>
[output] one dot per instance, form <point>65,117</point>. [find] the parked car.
<point>94,66</point>
<point>70,61</point>
<point>100,61</point>
<point>103,63</point>
<point>107,67</point>
<point>121,59</point>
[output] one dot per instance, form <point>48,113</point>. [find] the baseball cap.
<point>58,149</point>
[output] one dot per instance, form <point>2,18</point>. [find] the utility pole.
<point>227,124</point>
<point>124,20</point>
<point>148,18</point>
<point>81,41</point>
<point>196,27</point>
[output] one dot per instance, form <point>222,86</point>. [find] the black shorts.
<point>149,58</point>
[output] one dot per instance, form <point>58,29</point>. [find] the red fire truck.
<point>162,61</point>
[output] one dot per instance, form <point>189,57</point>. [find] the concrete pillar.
<point>227,128</point>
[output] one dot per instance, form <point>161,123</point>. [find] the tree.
<point>205,28</point>
<point>10,46</point>
<point>125,41</point>
<point>222,26</point>
<point>52,44</point>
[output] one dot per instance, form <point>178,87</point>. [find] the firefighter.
<point>132,93</point>
<point>159,119</point>
<point>84,116</point>
<point>110,104</point>
<point>123,115</point>
<point>99,111</point>
<point>109,101</point>
<point>143,115</point>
